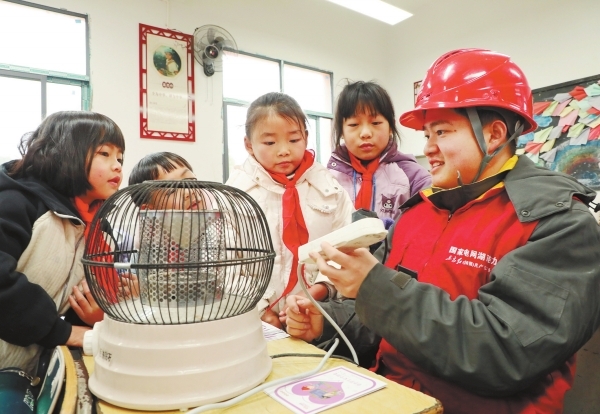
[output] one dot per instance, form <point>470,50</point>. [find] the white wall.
<point>552,41</point>
<point>310,32</point>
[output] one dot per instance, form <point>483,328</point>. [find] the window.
<point>43,68</point>
<point>247,76</point>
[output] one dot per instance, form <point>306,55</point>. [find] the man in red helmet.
<point>490,280</point>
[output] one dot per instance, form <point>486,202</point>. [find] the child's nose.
<point>284,149</point>
<point>365,131</point>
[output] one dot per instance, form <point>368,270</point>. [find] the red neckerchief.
<point>363,198</point>
<point>107,278</point>
<point>295,233</point>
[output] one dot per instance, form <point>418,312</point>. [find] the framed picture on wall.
<point>417,89</point>
<point>166,84</point>
<point>568,135</point>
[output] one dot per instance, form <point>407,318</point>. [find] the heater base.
<point>167,367</point>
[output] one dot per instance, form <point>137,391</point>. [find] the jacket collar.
<point>257,176</point>
<point>51,198</point>
<point>554,191</point>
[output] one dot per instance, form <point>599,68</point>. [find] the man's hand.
<point>304,320</point>
<point>354,268</point>
<point>84,304</point>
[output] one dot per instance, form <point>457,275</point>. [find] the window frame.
<point>48,76</point>
<point>316,115</point>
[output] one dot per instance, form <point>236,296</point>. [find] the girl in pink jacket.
<point>368,164</point>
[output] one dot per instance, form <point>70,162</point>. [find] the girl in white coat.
<point>300,198</point>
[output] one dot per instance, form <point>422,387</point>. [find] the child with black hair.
<point>70,164</point>
<point>368,164</point>
<point>300,199</point>
<point>161,166</point>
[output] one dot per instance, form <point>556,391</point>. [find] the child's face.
<point>177,199</point>
<point>366,136</point>
<point>179,173</point>
<point>277,143</point>
<point>105,173</point>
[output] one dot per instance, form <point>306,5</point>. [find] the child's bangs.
<point>112,134</point>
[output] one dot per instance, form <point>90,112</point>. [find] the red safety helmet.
<point>466,78</point>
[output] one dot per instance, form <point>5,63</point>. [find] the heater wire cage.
<point>176,252</point>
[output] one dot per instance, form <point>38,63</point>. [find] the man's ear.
<point>248,145</point>
<point>498,135</point>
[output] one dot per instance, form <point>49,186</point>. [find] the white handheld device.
<point>361,233</point>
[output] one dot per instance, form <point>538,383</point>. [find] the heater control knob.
<point>88,342</point>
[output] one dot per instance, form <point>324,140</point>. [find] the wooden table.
<point>394,398</point>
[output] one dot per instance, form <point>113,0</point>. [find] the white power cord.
<point>325,315</point>
<point>264,386</point>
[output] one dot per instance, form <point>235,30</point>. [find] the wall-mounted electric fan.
<point>209,43</point>
<point>178,268</point>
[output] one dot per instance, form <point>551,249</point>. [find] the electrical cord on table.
<point>311,356</point>
<point>264,386</point>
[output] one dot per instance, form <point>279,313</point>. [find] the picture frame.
<point>166,76</point>
<point>417,89</point>
<point>568,135</point>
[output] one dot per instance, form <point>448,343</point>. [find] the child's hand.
<point>128,287</point>
<point>272,318</point>
<point>84,304</point>
<point>76,337</point>
<point>304,320</point>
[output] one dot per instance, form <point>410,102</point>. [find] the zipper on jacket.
<point>33,381</point>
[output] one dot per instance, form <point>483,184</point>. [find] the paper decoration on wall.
<point>568,135</point>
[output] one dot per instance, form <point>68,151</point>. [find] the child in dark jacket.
<point>70,164</point>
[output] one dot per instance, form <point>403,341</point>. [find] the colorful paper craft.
<point>566,111</point>
<point>561,97</point>
<point>542,121</point>
<point>524,139</point>
<point>549,156</point>
<point>595,123</point>
<point>588,119</point>
<point>580,139</point>
<point>585,104</point>
<point>578,93</point>
<point>594,133</point>
<point>542,136</point>
<point>533,157</point>
<point>555,133</point>
<point>595,102</point>
<point>576,130</point>
<point>547,146</point>
<point>539,107</point>
<point>548,111</point>
<point>593,90</point>
<point>568,119</point>
<point>533,147</point>
<point>560,107</point>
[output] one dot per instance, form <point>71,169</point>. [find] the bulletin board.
<point>568,135</point>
